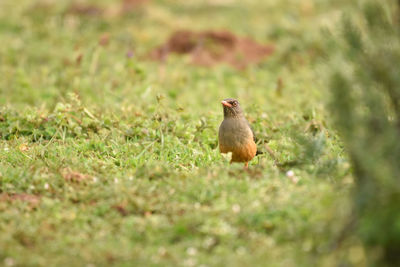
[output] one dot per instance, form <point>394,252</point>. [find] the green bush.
<point>365,102</point>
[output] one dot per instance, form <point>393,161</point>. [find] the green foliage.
<point>366,107</point>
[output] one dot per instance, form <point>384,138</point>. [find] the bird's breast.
<point>234,133</point>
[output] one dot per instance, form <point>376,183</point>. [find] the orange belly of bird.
<point>242,153</point>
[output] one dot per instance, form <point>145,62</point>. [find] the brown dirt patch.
<point>121,208</point>
<point>128,5</point>
<point>209,48</point>
<point>32,200</point>
<point>74,176</point>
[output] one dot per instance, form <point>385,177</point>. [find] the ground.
<point>108,156</point>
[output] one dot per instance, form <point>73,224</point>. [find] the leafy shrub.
<point>365,103</point>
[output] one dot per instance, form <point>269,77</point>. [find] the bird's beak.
<point>226,104</point>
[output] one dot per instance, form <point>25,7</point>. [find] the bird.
<point>235,134</point>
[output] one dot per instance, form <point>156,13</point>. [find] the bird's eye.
<point>234,103</point>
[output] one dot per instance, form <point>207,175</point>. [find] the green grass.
<point>119,155</point>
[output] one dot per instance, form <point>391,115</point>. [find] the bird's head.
<point>231,108</point>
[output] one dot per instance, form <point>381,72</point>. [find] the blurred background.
<point>102,49</point>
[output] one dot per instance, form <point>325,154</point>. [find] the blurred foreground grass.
<point>109,158</point>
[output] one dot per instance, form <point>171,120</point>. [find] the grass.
<point>111,160</point>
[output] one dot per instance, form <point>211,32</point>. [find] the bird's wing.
<point>252,131</point>
<point>254,138</point>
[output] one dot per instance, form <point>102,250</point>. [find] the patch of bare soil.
<point>121,208</point>
<point>128,5</point>
<point>74,176</point>
<point>32,200</point>
<point>209,48</point>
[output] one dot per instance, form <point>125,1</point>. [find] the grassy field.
<point>109,159</point>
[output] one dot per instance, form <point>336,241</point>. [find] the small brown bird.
<point>235,134</point>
